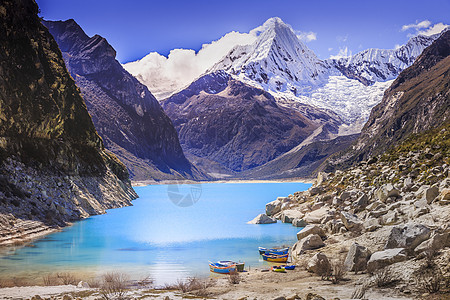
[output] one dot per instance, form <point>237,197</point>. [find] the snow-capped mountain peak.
<point>277,60</point>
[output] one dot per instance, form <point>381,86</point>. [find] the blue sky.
<point>136,27</point>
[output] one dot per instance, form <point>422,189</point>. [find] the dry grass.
<point>384,278</point>
<point>114,285</point>
<point>67,278</point>
<point>193,285</point>
<point>339,271</point>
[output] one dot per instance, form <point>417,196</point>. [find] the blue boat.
<point>222,269</point>
<point>290,267</point>
<point>273,251</point>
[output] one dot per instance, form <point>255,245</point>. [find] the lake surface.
<point>170,232</point>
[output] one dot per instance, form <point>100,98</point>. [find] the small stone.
<point>262,219</point>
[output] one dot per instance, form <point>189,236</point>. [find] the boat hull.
<point>276,258</point>
<point>222,269</point>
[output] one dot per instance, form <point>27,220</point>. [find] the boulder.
<point>357,258</point>
<point>287,216</point>
<point>351,221</point>
<point>314,191</point>
<point>335,226</point>
<point>316,216</point>
<point>431,193</point>
<point>311,242</point>
<point>319,264</point>
<point>310,229</point>
<point>445,194</point>
<point>385,258</point>
<point>407,236</point>
<point>385,191</point>
<point>371,225</point>
<point>262,219</point>
<point>275,206</point>
<point>436,242</point>
<point>297,222</point>
<point>361,203</point>
<point>377,205</point>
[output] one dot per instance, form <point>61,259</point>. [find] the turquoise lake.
<point>170,232</point>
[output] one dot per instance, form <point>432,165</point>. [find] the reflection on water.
<point>157,237</point>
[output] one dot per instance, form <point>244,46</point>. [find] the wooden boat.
<point>239,265</point>
<point>276,258</point>
<point>280,269</point>
<point>275,251</point>
<point>222,269</point>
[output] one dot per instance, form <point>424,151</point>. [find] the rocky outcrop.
<point>129,119</point>
<point>53,165</point>
<point>262,219</point>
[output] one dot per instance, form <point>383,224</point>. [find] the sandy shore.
<point>253,285</point>
<point>153,182</point>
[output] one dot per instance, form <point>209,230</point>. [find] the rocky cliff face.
<point>237,125</point>
<point>418,100</point>
<point>54,167</point>
<point>127,116</point>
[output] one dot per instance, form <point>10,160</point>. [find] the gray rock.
<point>314,191</point>
<point>316,216</point>
<point>361,203</point>
<point>435,243</point>
<point>287,216</point>
<point>431,194</point>
<point>408,236</point>
<point>372,225</point>
<point>377,205</point>
<point>321,177</point>
<point>262,219</point>
<point>311,242</point>
<point>357,258</point>
<point>318,264</point>
<point>351,221</point>
<point>310,229</point>
<point>385,191</point>
<point>298,222</point>
<point>384,258</point>
<point>275,206</point>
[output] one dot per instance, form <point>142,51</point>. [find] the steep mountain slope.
<point>418,100</point>
<point>127,116</point>
<point>239,126</point>
<point>54,167</point>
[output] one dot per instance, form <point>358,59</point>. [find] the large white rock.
<point>351,221</point>
<point>435,243</point>
<point>311,242</point>
<point>297,222</point>
<point>288,215</point>
<point>310,229</point>
<point>316,216</point>
<point>385,258</point>
<point>262,219</point>
<point>319,264</point>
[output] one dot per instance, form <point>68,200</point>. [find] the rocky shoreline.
<point>388,216</point>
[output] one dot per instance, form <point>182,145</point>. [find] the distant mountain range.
<point>129,119</point>
<point>417,101</point>
<point>334,97</point>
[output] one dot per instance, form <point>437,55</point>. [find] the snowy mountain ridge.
<point>273,58</point>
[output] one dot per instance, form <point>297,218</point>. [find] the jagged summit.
<point>277,60</point>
